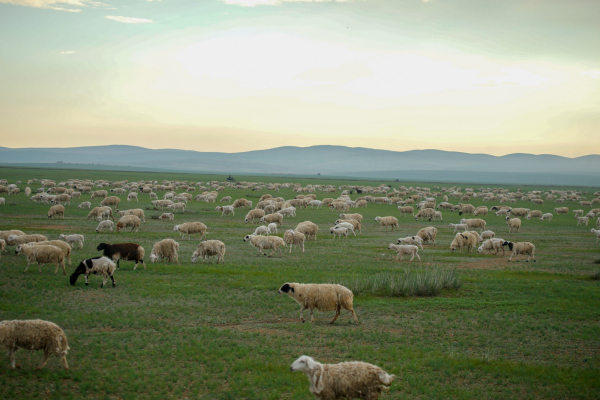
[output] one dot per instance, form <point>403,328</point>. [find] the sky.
<point>476,76</point>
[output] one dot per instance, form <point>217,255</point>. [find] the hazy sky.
<point>480,76</point>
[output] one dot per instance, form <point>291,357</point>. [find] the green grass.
<point>496,330</point>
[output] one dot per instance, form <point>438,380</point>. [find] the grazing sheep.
<point>348,225</point>
<point>474,223</point>
<point>406,210</point>
<point>110,201</point>
<point>437,215</point>
<point>97,266</point>
<point>161,203</point>
<point>167,217</point>
<point>309,229</point>
<point>581,220</point>
<point>34,334</point>
<point>132,196</point>
<point>225,210</point>
<point>272,218</point>
<point>177,206</point>
<point>339,231</point>
<point>355,224</point>
<point>490,245</point>
<point>129,221</point>
<point>466,209</point>
<point>72,239</point>
<point>56,211</point>
<point>513,224</point>
<point>13,232</point>
<point>519,212</point>
<point>463,240</point>
<point>85,204</point>
<point>387,221</point>
<point>265,242</point>
<point>165,249</point>
<point>487,234</point>
<point>412,240</point>
<point>254,214</point>
<point>547,217</point>
<point>597,233</point>
<point>534,214</point>
<point>357,217</point>
<point>403,249</point>
<point>208,249</point>
<point>323,297</point>
<point>315,203</point>
<point>272,228</point>
<point>348,380</point>
<point>138,212</point>
<point>339,205</point>
<point>561,210</point>
<point>578,213</point>
<point>482,210</point>
<point>105,225</point>
<point>288,212</point>
<point>294,238</point>
<point>226,199</point>
<point>47,254</point>
<point>426,213</point>
<point>65,247</point>
<point>427,234</point>
<point>15,240</point>
<point>123,251</point>
<point>191,228</point>
<point>521,248</point>
<point>458,227</point>
<point>242,203</point>
<point>262,230</point>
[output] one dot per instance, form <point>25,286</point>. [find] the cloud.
<point>59,5</point>
<point>254,3</point>
<point>591,74</point>
<point>129,20</point>
<point>67,52</point>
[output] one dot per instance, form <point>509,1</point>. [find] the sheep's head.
<point>286,288</point>
<point>304,364</point>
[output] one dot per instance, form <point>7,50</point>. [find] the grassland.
<point>513,330</point>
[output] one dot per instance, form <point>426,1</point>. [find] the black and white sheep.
<point>521,248</point>
<point>322,297</point>
<point>97,266</point>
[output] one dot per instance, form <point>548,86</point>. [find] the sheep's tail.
<point>386,379</point>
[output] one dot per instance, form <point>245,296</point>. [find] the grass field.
<point>512,330</point>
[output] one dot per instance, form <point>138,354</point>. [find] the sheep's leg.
<point>301,311</point>
<point>312,317</point>
<point>45,360</point>
<point>280,255</point>
<point>12,356</point>
<point>413,256</point>
<point>354,314</point>
<point>63,267</point>
<point>337,314</point>
<point>86,280</point>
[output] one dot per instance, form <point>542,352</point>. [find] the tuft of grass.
<point>426,283</point>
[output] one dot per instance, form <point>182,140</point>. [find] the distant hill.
<point>430,165</point>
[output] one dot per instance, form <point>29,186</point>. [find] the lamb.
<point>129,221</point>
<point>261,230</point>
<point>357,217</point>
<point>34,334</point>
<point>105,225</point>
<point>272,218</point>
<point>225,210</point>
<point>167,217</point>
<point>547,217</point>
<point>406,210</point>
<point>339,231</point>
<point>97,266</point>
<point>465,239</point>
<point>272,228</point>
<point>427,213</point>
<point>265,242</point>
<point>323,297</point>
<point>513,224</point>
<point>597,233</point>
<point>581,220</point>
<point>355,224</point>
<point>42,255</point>
<point>521,248</point>
<point>191,228</point>
<point>210,248</point>
<point>165,249</point>
<point>387,221</point>
<point>110,201</point>
<point>487,234</point>
<point>15,240</point>
<point>123,251</point>
<point>288,212</point>
<point>254,214</point>
<point>412,240</point>
<point>561,210</point>
<point>474,223</point>
<point>427,234</point>
<point>85,204</point>
<point>403,249</point>
<point>56,211</point>
<point>492,245</point>
<point>347,380</point>
<point>138,212</point>
<point>348,225</point>
<point>534,214</point>
<point>309,229</point>
<point>458,227</point>
<point>294,238</point>
<point>13,232</point>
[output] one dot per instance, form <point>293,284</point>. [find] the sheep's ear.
<point>310,363</point>
<point>88,263</point>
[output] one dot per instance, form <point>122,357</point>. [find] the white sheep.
<point>412,240</point>
<point>177,206</point>
<point>405,249</point>
<point>546,217</point>
<point>167,217</point>
<point>487,234</point>
<point>288,212</point>
<point>72,239</point>
<point>348,225</point>
<point>322,297</point>
<point>129,221</point>
<point>581,220</point>
<point>461,240</point>
<point>490,245</point>
<point>349,380</point>
<point>309,229</point>
<point>210,248</point>
<point>387,221</point>
<point>597,233</point>
<point>85,204</point>
<point>43,255</point>
<point>315,203</point>
<point>226,210</point>
<point>262,230</point>
<point>191,228</point>
<point>265,242</point>
<point>459,227</point>
<point>34,334</point>
<point>254,214</point>
<point>513,224</point>
<point>105,225</point>
<point>356,225</point>
<point>292,238</point>
<point>521,248</point>
<point>165,249</point>
<point>339,231</point>
<point>474,223</point>
<point>272,227</point>
<point>132,196</point>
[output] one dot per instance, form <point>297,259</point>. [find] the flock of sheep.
<point>345,380</point>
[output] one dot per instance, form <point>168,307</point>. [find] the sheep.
<point>132,196</point>
<point>13,232</point>
<point>519,212</point>
<point>166,248</point>
<point>272,218</point>
<point>581,220</point>
<point>105,225</point>
<point>138,212</point>
<point>2,247</point>
<point>292,238</point>
<point>492,245</point>
<point>561,210</point>
<point>427,234</point>
<point>85,204</point>
<point>129,221</point>
<point>474,223</point>
<point>288,212</point>
<point>387,221</point>
<point>403,249</point>
<point>356,225</point>
<point>521,248</point>
<point>110,201</point>
<point>254,214</point>
<point>177,206</point>
<point>15,240</point>
<point>167,217</point>
<point>597,233</point>
<point>513,224</point>
<point>56,211</point>
<point>339,231</point>
<point>261,230</point>
<point>339,205</point>
<point>210,248</point>
<point>482,210</point>
<point>97,266</point>
<point>466,209</point>
<point>347,380</point>
<point>265,242</point>
<point>62,198</point>
<point>34,334</point>
<point>42,255</point>
<point>310,229</point>
<point>436,215</point>
<point>487,234</point>
<point>272,227</point>
<point>226,199</point>
<point>191,228</point>
<point>225,210</point>
<point>72,239</point>
<point>123,251</point>
<point>315,203</point>
<point>242,203</point>
<point>65,247</point>
<point>348,225</point>
<point>357,217</point>
<point>458,227</point>
<point>425,213</point>
<point>534,214</point>
<point>406,210</point>
<point>578,213</point>
<point>323,297</point>
<point>161,203</point>
<point>546,217</point>
<point>466,239</point>
<point>412,240</point>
